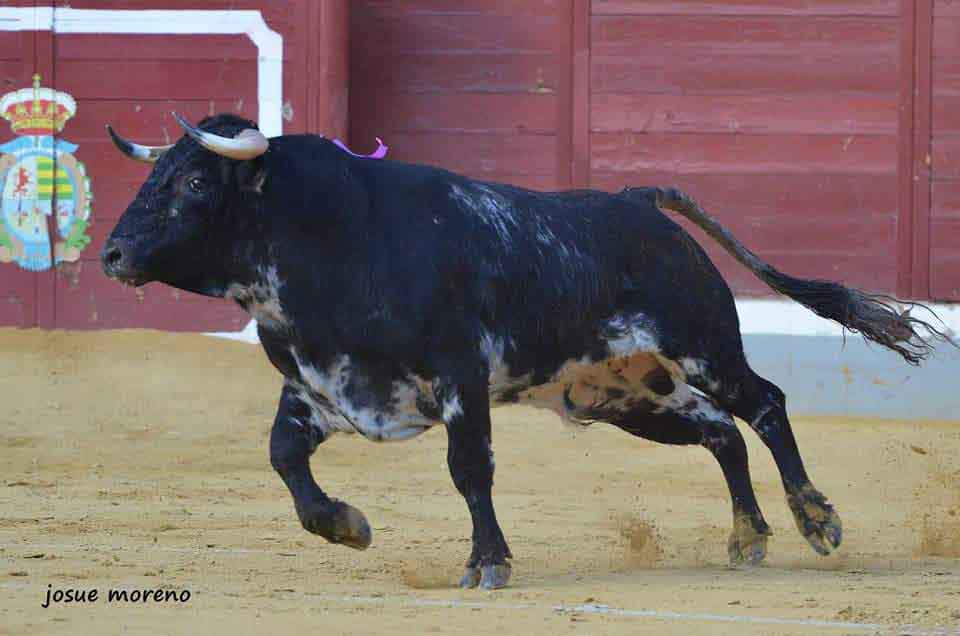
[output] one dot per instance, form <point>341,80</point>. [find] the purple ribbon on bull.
<point>379,153</point>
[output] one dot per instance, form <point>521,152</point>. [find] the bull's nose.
<point>111,257</point>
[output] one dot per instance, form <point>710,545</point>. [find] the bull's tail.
<point>876,317</point>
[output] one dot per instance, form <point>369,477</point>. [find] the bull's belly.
<point>581,392</point>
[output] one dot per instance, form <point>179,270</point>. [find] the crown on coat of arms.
<point>37,111</point>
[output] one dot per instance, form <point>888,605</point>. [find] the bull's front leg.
<point>466,413</point>
<point>292,440</point>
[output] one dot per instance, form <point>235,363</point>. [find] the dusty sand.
<point>139,460</point>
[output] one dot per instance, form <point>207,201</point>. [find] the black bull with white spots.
<point>396,297</point>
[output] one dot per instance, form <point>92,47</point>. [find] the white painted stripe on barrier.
<point>269,43</point>
<point>788,318</point>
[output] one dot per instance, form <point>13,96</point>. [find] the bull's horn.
<point>247,144</point>
<point>146,154</point>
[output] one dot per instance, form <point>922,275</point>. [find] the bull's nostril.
<point>112,256</point>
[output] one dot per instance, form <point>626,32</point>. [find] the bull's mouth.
<point>125,278</point>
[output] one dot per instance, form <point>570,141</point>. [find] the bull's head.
<point>169,232</point>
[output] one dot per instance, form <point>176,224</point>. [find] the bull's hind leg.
<point>698,421</point>
<point>763,405</point>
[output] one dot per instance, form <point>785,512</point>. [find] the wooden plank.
<point>946,8</point>
<point>13,47</point>
<point>453,113</point>
<point>848,8</point>
<point>946,199</point>
<point>946,155</point>
<point>946,77</point>
<point>843,37</point>
<point>944,239</point>
<point>735,56</point>
<point>44,64</point>
<point>906,150</point>
<point>581,95</point>
<point>479,155</point>
<point>946,234</point>
<point>149,80</point>
<point>440,73</point>
<point>922,150</point>
<point>946,113</point>
<point>94,46</point>
<point>946,36</point>
<point>18,296</point>
<point>399,33</point>
<point>18,287</point>
<point>328,63</point>
<point>744,154</point>
<point>502,8</point>
<point>945,274</point>
<point>564,111</point>
<point>800,114</point>
<point>703,72</point>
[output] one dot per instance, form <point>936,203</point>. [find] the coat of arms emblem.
<point>40,178</point>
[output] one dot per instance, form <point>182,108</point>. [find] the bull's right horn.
<point>146,154</point>
<point>247,144</point>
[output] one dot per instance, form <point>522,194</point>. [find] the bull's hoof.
<point>494,577</point>
<point>470,578</point>
<point>338,522</point>
<point>350,527</point>
<point>747,545</point>
<point>816,519</point>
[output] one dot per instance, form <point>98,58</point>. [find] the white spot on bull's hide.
<point>696,368</point>
<point>630,334</point>
<point>261,299</point>
<point>545,234</point>
<point>691,402</point>
<point>490,207</point>
<point>326,394</point>
<point>493,349</point>
<point>452,408</point>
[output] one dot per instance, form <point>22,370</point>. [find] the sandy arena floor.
<point>139,460</point>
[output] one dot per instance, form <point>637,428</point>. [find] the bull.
<point>395,297</point>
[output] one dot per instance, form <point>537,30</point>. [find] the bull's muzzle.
<point>116,261</point>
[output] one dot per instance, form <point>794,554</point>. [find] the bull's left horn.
<point>247,144</point>
<point>146,154</point>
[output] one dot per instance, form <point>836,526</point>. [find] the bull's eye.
<point>196,185</point>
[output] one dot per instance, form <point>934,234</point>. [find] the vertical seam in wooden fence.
<point>580,87</point>
<point>312,67</point>
<point>565,101</point>
<point>45,65</point>
<point>922,129</point>
<point>905,166</point>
